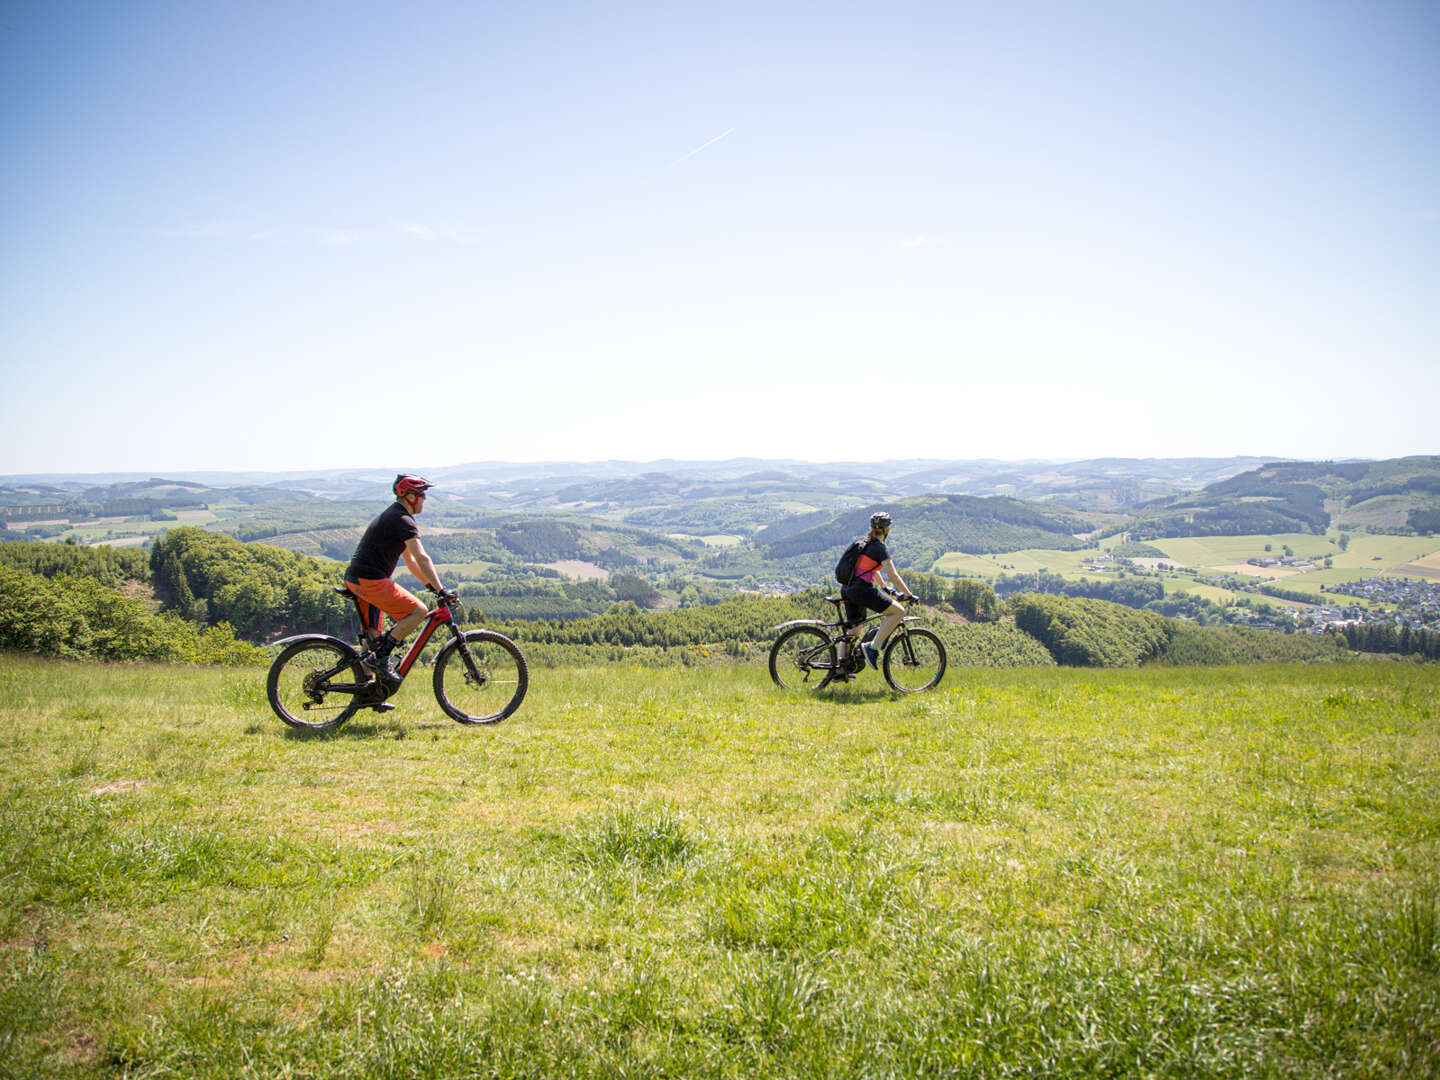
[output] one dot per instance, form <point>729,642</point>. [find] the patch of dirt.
<point>581,571</point>
<point>1257,571</point>
<point>82,1049</point>
<point>1421,568</point>
<point>116,787</point>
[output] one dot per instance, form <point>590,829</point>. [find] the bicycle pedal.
<point>384,706</point>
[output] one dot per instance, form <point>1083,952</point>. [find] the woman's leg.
<point>893,615</point>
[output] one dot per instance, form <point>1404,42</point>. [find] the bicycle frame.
<point>837,631</point>
<point>912,658</point>
<point>838,634</point>
<point>441,616</point>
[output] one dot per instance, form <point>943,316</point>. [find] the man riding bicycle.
<point>392,535</point>
<point>861,593</point>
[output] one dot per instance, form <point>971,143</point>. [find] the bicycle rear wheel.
<point>802,658</point>
<point>914,660</point>
<point>314,684</point>
<point>488,691</point>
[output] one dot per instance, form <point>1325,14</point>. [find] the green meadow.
<point>1227,872</point>
<point>1364,551</point>
<point>1029,561</point>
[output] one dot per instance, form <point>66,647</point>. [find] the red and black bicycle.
<point>318,681</point>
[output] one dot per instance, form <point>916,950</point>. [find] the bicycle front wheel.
<point>315,684</point>
<point>914,661</point>
<point>481,677</point>
<point>802,658</point>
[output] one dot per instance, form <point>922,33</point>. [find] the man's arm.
<point>420,564</point>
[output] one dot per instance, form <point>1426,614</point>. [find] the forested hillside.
<point>930,525</point>
<point>1303,497</point>
<point>88,603</point>
<point>107,565</point>
<point>209,578</point>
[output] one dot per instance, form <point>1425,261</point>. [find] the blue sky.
<point>302,235</point>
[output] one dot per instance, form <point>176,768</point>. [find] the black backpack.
<point>845,568</point>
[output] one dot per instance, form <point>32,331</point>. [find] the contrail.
<point>702,146</point>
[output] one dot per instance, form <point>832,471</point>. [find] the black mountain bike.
<point>318,682</point>
<point>809,654</point>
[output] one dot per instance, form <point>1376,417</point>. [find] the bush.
<point>80,618</point>
<point>259,590</point>
<point>1192,645</point>
<point>1092,633</point>
<point>993,644</point>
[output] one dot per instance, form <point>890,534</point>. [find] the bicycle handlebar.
<point>903,596</point>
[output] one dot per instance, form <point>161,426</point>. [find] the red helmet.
<point>409,484</point>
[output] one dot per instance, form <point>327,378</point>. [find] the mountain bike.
<point>807,654</point>
<point>318,681</point>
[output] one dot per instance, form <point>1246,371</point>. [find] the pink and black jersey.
<point>871,556</point>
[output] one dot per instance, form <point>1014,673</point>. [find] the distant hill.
<point>773,521</point>
<point>928,526</point>
<point>154,491</point>
<point>1303,496</point>
<point>754,492</point>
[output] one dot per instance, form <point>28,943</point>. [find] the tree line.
<point>1135,592</point>
<point>209,578</point>
<point>75,616</point>
<point>1082,632</point>
<point>1376,637</point>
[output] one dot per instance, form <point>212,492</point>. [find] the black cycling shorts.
<point>860,595</point>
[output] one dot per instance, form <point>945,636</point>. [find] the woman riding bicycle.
<point>390,536</point>
<point>862,595</point>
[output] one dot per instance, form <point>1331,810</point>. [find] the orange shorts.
<point>382,595</point>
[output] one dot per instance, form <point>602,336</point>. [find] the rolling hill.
<point>1296,496</point>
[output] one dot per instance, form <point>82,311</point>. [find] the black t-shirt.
<point>381,546</point>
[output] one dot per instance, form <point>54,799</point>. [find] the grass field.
<point>1148,873</point>
<point>1367,555</point>
<point>1029,561</point>
<point>1365,551</point>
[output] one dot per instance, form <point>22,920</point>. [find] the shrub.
<point>1091,633</point>
<point>80,618</point>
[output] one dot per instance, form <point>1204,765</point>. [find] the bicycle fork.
<point>472,669</point>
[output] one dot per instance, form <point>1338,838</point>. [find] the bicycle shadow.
<point>365,729</point>
<point>853,693</point>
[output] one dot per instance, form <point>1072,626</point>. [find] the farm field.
<point>1183,584</point>
<point>1029,561</point>
<point>1427,567</point>
<point>1367,555</point>
<point>1160,872</point>
<point>1369,552</point>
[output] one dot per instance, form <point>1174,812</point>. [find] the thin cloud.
<point>441,234</point>
<point>702,146</point>
<point>912,242</point>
